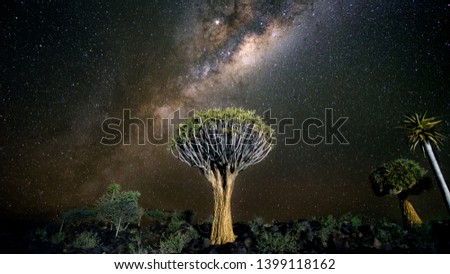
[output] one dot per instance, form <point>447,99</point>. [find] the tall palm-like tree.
<point>423,132</point>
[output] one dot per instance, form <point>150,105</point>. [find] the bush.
<point>58,237</point>
<point>276,243</point>
<point>158,215</point>
<point>353,220</point>
<point>86,240</point>
<point>256,225</point>
<point>41,233</point>
<point>174,243</point>
<point>136,246</point>
<point>329,224</point>
<point>78,216</point>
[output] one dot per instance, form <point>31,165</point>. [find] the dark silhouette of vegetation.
<point>347,234</point>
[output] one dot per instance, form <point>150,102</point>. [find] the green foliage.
<point>389,232</point>
<point>78,216</point>
<point>397,176</point>
<point>113,190</point>
<point>41,233</point>
<point>213,117</point>
<point>174,225</point>
<point>268,242</point>
<point>136,246</point>
<point>422,129</point>
<point>86,240</point>
<point>158,215</point>
<point>58,237</point>
<point>175,242</point>
<point>209,220</point>
<point>119,208</point>
<point>257,225</point>
<point>299,227</point>
<point>353,220</point>
<point>329,224</point>
<point>423,236</point>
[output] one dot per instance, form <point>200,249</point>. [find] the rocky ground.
<point>163,232</point>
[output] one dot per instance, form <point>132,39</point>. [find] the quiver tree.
<point>401,177</point>
<point>422,131</point>
<point>221,143</point>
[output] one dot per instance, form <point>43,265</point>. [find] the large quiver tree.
<point>222,143</point>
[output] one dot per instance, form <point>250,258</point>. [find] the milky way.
<point>68,67</point>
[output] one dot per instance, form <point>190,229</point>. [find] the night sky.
<point>66,67</point>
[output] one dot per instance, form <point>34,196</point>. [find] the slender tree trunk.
<point>222,226</point>
<point>118,227</point>
<point>437,171</point>
<point>409,214</point>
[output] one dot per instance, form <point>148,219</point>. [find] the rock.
<point>248,242</point>
<point>377,244</point>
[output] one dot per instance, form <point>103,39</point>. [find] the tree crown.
<point>398,176</point>
<point>216,138</point>
<point>422,129</point>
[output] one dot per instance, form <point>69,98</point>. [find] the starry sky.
<point>68,67</point>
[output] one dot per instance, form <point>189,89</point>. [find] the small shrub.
<point>257,225</point>
<point>388,231</point>
<point>174,243</point>
<point>299,227</point>
<point>86,240</point>
<point>136,246</point>
<point>192,234</point>
<point>353,220</point>
<point>174,225</point>
<point>58,237</point>
<point>41,234</point>
<point>209,220</point>
<point>276,243</point>
<point>329,224</point>
<point>78,216</point>
<point>158,215</point>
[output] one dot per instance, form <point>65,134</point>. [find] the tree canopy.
<point>422,129</point>
<point>216,138</point>
<point>398,176</point>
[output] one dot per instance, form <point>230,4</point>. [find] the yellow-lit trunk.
<point>222,226</point>
<point>410,216</point>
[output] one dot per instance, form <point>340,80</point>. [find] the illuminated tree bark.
<point>409,213</point>
<point>222,143</point>
<point>437,171</point>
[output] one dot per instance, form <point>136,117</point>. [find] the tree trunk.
<point>222,226</point>
<point>118,227</point>
<point>437,171</point>
<point>409,214</point>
